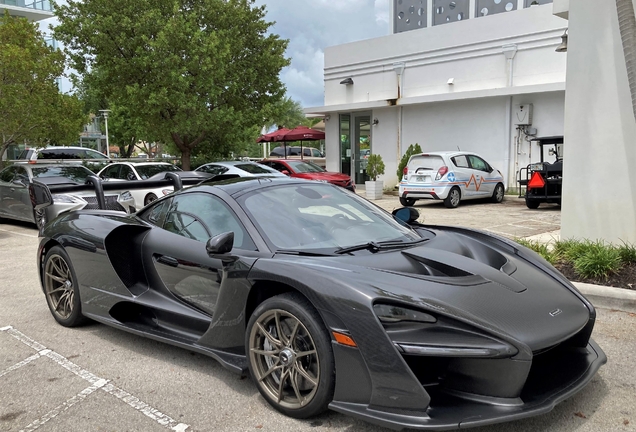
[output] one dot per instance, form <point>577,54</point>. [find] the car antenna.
<point>458,149</point>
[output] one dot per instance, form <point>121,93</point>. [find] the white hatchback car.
<point>451,177</point>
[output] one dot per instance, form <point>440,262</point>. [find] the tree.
<point>31,105</point>
<point>413,149</point>
<point>186,69</point>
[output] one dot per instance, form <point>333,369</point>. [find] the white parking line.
<point>96,383</point>
<point>17,233</point>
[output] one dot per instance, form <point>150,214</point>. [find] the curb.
<point>608,297</point>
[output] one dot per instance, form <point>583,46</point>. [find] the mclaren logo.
<point>555,312</point>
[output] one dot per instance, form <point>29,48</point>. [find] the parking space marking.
<point>96,383</point>
<point>17,233</point>
<point>65,406</point>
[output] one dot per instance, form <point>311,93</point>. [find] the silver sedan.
<point>15,202</point>
<point>240,168</point>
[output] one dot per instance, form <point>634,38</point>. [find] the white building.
<point>452,75</point>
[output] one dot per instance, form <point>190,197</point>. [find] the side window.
<point>316,153</point>
<point>478,163</point>
<point>126,173</point>
<point>460,161</point>
<point>201,216</point>
<point>214,169</point>
<point>278,166</point>
<point>22,174</point>
<point>92,154</point>
<point>157,213</point>
<point>111,172</point>
<point>306,151</point>
<point>7,175</point>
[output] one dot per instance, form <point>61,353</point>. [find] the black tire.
<point>61,288</point>
<point>407,202</point>
<point>532,204</point>
<point>453,198</point>
<point>299,397</point>
<point>498,193</point>
<point>149,198</point>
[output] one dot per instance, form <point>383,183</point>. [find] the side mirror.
<point>406,214</point>
<point>40,195</point>
<point>19,182</point>
<point>285,172</point>
<point>220,244</point>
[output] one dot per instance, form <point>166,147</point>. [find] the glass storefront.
<point>355,145</point>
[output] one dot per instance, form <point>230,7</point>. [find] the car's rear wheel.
<point>150,198</point>
<point>61,288</point>
<point>453,198</point>
<point>532,204</point>
<point>498,193</point>
<point>290,356</point>
<point>407,202</point>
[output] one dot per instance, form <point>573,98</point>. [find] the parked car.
<point>15,202</point>
<point>309,154</point>
<point>330,302</point>
<point>310,171</point>
<point>451,177</point>
<point>121,171</point>
<point>58,153</point>
<point>240,168</point>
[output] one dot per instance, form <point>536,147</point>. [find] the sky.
<point>311,26</point>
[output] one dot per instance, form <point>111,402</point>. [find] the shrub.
<point>540,248</point>
<point>597,260</point>
<point>375,166</point>
<point>413,149</point>
<point>628,253</point>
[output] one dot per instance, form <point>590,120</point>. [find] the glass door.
<point>345,144</point>
<point>361,147</point>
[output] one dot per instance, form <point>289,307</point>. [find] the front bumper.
<point>548,384</point>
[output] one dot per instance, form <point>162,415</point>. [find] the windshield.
<point>304,167</point>
<point>147,171</point>
<point>319,216</point>
<point>76,173</point>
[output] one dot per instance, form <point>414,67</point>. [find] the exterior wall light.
<point>327,117</point>
<point>376,121</point>
<point>450,81</point>
<point>347,81</point>
<point>564,42</point>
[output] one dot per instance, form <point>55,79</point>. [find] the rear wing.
<point>41,194</point>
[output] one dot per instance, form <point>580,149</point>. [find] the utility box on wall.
<point>523,115</point>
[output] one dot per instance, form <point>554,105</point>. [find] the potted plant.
<point>375,168</point>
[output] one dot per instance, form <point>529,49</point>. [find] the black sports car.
<point>330,302</point>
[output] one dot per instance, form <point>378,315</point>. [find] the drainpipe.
<point>398,67</point>
<point>510,51</point>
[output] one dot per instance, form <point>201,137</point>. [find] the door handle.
<point>172,262</point>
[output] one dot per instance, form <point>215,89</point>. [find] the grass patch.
<point>628,253</point>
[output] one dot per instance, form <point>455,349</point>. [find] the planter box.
<point>374,189</point>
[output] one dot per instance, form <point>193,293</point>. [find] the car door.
<point>462,174</point>
<point>20,191</point>
<point>480,171</point>
<point>180,263</point>
<point>6,198</point>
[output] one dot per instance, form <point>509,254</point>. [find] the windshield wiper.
<point>302,252</point>
<point>377,246</point>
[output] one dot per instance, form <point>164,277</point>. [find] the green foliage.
<point>540,248</point>
<point>413,149</point>
<point>32,108</point>
<point>286,113</point>
<point>375,166</point>
<point>627,252</point>
<point>598,261</point>
<point>192,72</point>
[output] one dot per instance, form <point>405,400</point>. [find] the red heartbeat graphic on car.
<point>472,180</point>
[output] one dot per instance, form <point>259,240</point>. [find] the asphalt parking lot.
<point>100,379</point>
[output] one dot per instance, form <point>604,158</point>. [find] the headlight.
<point>125,196</point>
<point>166,191</point>
<point>67,199</point>
<point>392,314</point>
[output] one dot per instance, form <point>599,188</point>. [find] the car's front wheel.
<point>61,288</point>
<point>498,193</point>
<point>290,356</point>
<point>453,198</point>
<point>150,198</point>
<point>407,202</point>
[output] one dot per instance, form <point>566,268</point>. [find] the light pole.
<point>105,115</point>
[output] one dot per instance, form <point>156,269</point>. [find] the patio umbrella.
<point>271,137</point>
<point>300,133</point>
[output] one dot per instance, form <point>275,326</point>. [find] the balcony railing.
<point>44,5</point>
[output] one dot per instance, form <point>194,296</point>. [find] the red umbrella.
<point>272,136</point>
<point>300,133</point>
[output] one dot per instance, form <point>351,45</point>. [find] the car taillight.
<point>440,173</point>
<point>405,172</point>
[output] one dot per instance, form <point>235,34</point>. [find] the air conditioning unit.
<point>522,115</point>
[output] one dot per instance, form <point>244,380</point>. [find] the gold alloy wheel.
<point>58,286</point>
<point>284,359</point>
